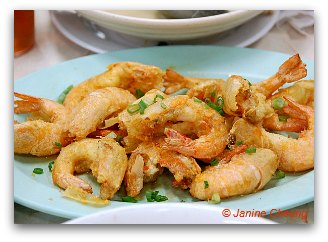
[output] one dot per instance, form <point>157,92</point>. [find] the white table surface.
<point>52,47</point>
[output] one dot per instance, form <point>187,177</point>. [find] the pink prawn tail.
<point>27,104</point>
<point>293,69</point>
<point>307,110</point>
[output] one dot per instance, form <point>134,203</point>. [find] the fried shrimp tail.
<point>104,157</point>
<point>198,148</point>
<point>39,108</point>
<point>291,70</point>
<point>244,174</point>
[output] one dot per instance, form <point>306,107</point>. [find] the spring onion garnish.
<point>206,184</point>
<point>215,199</point>
<point>155,197</point>
<point>250,150</point>
<point>62,96</point>
<point>278,103</point>
<point>215,107</point>
<point>50,165</point>
<point>238,143</point>
<point>157,97</point>
<point>142,106</point>
<point>220,101</point>
<point>163,105</point>
<point>197,100</point>
<point>129,199</point>
<point>58,144</point>
<point>38,171</point>
<point>183,201</point>
<point>279,174</point>
<point>137,107</point>
<point>214,162</point>
<point>139,93</point>
<point>283,118</point>
<point>119,138</point>
<point>133,108</point>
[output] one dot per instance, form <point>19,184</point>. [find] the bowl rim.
<point>166,22</point>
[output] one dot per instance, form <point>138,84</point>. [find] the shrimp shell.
<point>244,174</point>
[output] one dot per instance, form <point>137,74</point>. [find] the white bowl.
<point>167,213</point>
<point>169,29</point>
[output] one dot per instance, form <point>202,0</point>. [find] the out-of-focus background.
<point>63,35</point>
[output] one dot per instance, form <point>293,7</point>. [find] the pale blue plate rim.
<point>286,196</point>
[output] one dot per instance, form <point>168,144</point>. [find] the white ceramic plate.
<point>169,29</point>
<point>174,213</point>
<point>100,40</point>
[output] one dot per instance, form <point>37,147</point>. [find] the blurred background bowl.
<point>153,25</point>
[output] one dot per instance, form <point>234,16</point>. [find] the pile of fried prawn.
<point>128,124</point>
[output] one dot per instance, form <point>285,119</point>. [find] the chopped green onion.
<point>206,184</point>
<point>214,162</point>
<point>129,199</point>
<point>220,101</point>
<point>163,105</point>
<point>133,108</point>
<point>155,197</point>
<point>250,150</point>
<point>238,143</point>
<point>279,174</point>
<point>197,100</point>
<point>278,103</point>
<point>38,171</point>
<point>50,165</point>
<point>215,199</point>
<point>151,195</point>
<point>139,93</point>
<point>119,138</point>
<point>183,201</point>
<point>142,106</point>
<point>215,107</point>
<point>58,144</point>
<point>249,83</point>
<point>62,96</point>
<point>160,198</point>
<point>158,96</point>
<point>213,93</point>
<point>283,118</point>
